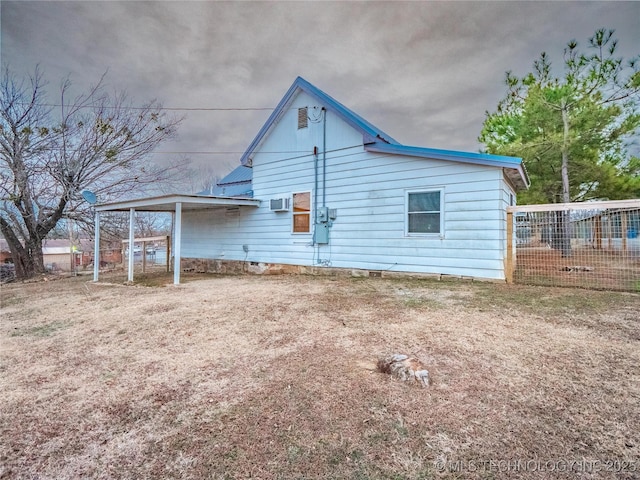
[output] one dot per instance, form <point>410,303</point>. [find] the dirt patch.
<point>586,268</point>
<point>274,377</point>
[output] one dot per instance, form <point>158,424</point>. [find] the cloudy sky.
<point>425,72</point>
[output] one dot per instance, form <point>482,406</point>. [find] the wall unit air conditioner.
<point>279,205</point>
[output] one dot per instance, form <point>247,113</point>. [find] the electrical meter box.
<point>323,214</point>
<point>322,233</point>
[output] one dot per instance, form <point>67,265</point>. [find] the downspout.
<point>315,202</point>
<point>324,157</point>
<point>315,193</point>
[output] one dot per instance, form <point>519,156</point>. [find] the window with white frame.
<point>302,212</point>
<point>424,212</point>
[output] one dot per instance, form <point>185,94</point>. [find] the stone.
<point>576,268</point>
<point>404,368</point>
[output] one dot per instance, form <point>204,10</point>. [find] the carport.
<point>173,204</point>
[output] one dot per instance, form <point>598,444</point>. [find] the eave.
<point>512,166</point>
<point>167,203</point>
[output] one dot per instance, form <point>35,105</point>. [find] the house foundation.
<point>237,267</point>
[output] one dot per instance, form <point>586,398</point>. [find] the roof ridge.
<point>368,130</point>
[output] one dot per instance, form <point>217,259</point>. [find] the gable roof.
<point>368,130</point>
<point>375,140</point>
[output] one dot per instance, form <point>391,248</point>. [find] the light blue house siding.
<point>368,190</point>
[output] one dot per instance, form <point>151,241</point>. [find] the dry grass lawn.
<point>273,377</point>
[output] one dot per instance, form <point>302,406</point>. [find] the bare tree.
<point>152,224</point>
<point>48,156</point>
<point>203,177</point>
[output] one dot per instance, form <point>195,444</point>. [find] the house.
<point>58,255</point>
<point>61,255</point>
<point>319,186</point>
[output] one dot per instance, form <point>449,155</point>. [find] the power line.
<point>175,109</point>
<point>305,153</point>
<point>156,107</point>
<point>222,153</point>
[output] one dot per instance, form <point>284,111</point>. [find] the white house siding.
<point>368,190</point>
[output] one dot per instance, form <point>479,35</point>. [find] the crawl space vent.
<point>302,118</point>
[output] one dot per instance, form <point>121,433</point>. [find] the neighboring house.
<point>57,255</point>
<point>319,186</point>
<point>64,255</point>
<point>612,228</point>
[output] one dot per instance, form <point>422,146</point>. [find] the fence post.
<point>144,257</point>
<point>168,241</point>
<point>623,227</point>
<point>598,231</point>
<point>509,264</point>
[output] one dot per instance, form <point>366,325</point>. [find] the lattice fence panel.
<point>591,245</point>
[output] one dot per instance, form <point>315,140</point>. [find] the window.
<point>302,118</point>
<point>302,212</point>
<point>424,212</point>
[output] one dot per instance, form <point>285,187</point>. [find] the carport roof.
<point>167,203</point>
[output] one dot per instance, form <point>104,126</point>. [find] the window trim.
<point>407,233</point>
<point>293,212</point>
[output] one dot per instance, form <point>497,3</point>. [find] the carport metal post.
<point>132,217</point>
<point>96,247</point>
<point>177,234</point>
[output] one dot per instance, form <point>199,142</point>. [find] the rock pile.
<point>404,368</point>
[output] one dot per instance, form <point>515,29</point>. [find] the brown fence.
<point>591,245</point>
<point>148,252</point>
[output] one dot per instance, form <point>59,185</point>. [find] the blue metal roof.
<point>238,175</point>
<point>515,168</point>
<point>238,183</point>
<point>376,140</point>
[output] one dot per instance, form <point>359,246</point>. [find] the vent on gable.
<point>302,118</point>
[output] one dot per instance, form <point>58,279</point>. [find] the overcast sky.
<point>424,72</point>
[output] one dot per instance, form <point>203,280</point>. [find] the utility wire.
<point>156,107</point>
<point>305,153</point>
<point>152,107</point>
<point>219,153</point>
<point>175,109</point>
